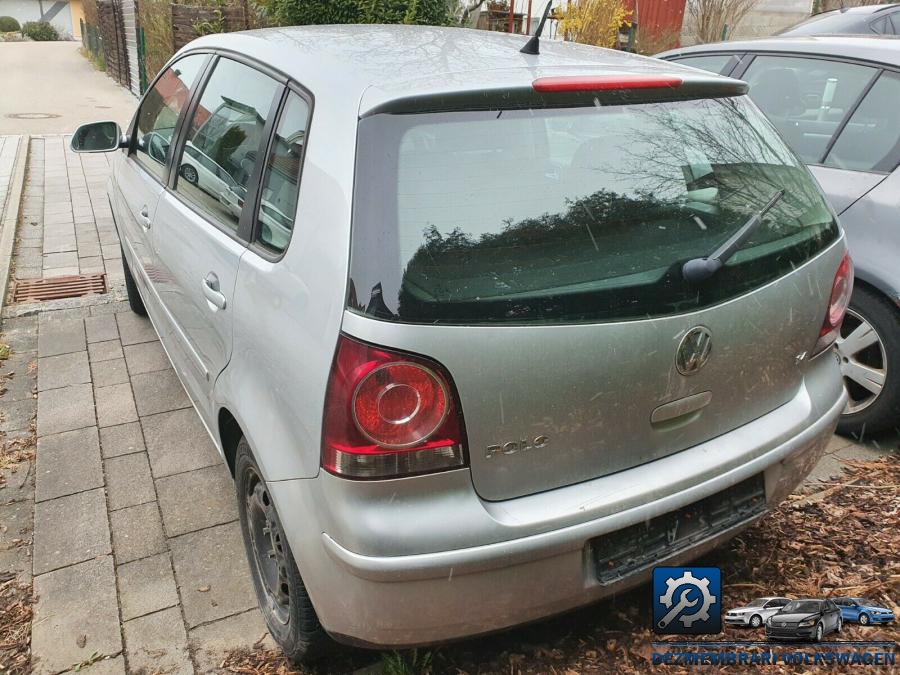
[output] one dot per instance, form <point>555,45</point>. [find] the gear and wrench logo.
<point>687,599</point>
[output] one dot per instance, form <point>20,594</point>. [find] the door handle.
<point>212,292</point>
<point>145,217</point>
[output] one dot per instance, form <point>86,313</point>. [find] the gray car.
<point>865,20</point>
<point>529,325</point>
<point>834,100</point>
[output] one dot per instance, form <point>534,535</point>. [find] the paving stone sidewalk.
<point>136,548</point>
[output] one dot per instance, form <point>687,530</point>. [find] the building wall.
<point>766,18</point>
<point>770,16</point>
<point>56,12</point>
<point>77,10</point>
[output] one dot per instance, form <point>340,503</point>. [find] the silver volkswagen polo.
<point>483,335</point>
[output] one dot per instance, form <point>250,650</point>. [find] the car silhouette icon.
<point>755,613</point>
<point>863,611</point>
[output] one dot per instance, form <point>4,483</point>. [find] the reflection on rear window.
<point>571,215</point>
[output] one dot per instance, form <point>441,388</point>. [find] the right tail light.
<point>389,414</point>
<point>841,290</point>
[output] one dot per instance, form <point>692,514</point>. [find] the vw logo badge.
<point>693,350</point>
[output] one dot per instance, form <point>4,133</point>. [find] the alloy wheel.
<point>268,544</point>
<point>819,633</point>
<point>864,619</point>
<point>863,362</point>
<point>755,622</point>
<point>189,173</point>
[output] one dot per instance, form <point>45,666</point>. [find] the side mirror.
<point>97,137</point>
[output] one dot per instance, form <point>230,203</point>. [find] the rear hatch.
<point>536,252</point>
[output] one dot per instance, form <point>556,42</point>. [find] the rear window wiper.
<point>701,269</point>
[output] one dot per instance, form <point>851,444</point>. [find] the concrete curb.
<point>9,218</point>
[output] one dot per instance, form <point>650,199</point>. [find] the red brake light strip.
<point>605,82</point>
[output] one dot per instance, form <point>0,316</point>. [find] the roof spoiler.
<point>561,92</point>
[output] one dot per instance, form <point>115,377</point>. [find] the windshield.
<point>801,607</point>
<point>572,215</point>
<point>756,603</point>
<point>864,602</point>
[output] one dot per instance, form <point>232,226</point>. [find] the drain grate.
<point>56,288</point>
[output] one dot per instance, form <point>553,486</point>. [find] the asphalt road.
<point>55,88</point>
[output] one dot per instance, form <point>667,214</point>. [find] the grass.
<point>96,59</point>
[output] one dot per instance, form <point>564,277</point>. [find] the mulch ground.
<point>15,596</point>
<point>834,539</point>
<point>15,625</point>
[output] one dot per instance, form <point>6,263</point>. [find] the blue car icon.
<point>863,611</point>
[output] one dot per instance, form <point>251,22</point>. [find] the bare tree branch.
<point>709,20</point>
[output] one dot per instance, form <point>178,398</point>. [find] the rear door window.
<point>895,22</point>
<point>223,141</point>
<point>871,139</point>
<point>159,112</point>
<point>579,214</point>
<point>714,63</point>
<point>281,180</point>
<point>882,26</point>
<point>806,98</point>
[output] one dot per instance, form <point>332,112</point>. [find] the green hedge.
<point>8,24</point>
<point>40,31</point>
<point>303,12</point>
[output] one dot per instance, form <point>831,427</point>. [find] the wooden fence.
<point>192,21</point>
<point>109,17</point>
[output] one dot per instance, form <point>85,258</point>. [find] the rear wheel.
<point>134,297</point>
<point>189,173</point>
<point>282,596</point>
<point>869,349</point>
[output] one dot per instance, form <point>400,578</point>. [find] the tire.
<point>869,412</point>
<point>189,173</point>
<point>755,621</point>
<point>134,296</point>
<point>863,619</point>
<point>840,625</point>
<point>283,600</point>
<point>820,633</point>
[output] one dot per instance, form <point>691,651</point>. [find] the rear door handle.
<point>212,292</point>
<point>145,217</point>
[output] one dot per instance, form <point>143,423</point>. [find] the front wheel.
<point>820,633</point>
<point>864,619</point>
<point>282,596</point>
<point>840,626</point>
<point>869,350</point>
<point>756,621</point>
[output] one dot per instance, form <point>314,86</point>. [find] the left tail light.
<point>841,290</point>
<point>389,414</point>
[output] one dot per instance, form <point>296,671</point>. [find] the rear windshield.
<point>572,215</point>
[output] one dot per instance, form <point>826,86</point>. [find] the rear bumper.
<point>406,599</point>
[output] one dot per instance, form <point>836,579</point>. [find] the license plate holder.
<point>621,553</point>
